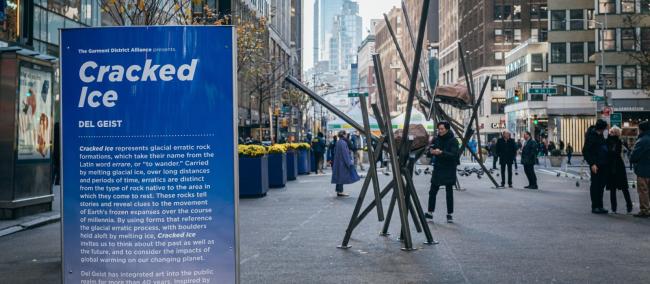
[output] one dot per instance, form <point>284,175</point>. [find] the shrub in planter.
<point>304,164</point>
<point>277,165</point>
<point>253,171</point>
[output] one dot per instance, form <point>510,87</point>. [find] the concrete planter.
<point>253,176</point>
<point>277,170</point>
<point>556,161</point>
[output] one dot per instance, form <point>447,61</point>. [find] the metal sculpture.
<point>403,154</point>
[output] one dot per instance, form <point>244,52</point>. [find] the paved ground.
<point>500,236</point>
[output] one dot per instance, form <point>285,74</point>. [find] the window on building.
<point>543,35</point>
<point>558,52</point>
<point>645,75</point>
<point>534,11</point>
<point>628,6</point>
<point>577,20</point>
<point>606,6</point>
<point>592,83</point>
<point>498,36</point>
<point>516,12</point>
<point>579,82</point>
<point>498,82</point>
<point>645,39</point>
<point>629,77</point>
<point>561,80</point>
<point>498,105</point>
<point>558,20</point>
<point>628,39</point>
<point>591,19</point>
<point>591,51</point>
<point>645,6</point>
<point>508,35</point>
<point>537,62</point>
<point>577,52</point>
<point>517,35</point>
<point>609,40</point>
<point>609,76</point>
<point>534,34</point>
<point>502,12</point>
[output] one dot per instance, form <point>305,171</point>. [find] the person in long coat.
<point>507,151</point>
<point>618,176</point>
<point>528,160</point>
<point>343,169</point>
<point>446,152</point>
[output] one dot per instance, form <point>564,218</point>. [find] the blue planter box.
<point>292,165</point>
<point>312,159</point>
<point>277,170</point>
<point>253,176</point>
<point>303,162</point>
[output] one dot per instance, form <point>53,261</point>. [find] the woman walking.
<point>617,176</point>
<point>343,169</point>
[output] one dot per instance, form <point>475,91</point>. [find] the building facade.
<point>366,67</point>
<point>622,60</point>
<point>487,31</point>
<point>390,61</point>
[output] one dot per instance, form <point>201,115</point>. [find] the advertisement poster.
<point>149,155</point>
<point>34,114</point>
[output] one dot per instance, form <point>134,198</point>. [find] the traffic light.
<point>535,120</point>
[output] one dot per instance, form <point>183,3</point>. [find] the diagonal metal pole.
<point>391,207</point>
<point>397,176</point>
<point>414,73</point>
<point>372,171</point>
<point>469,78</point>
<point>409,29</point>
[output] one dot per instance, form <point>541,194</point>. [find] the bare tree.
<point>148,12</point>
<point>642,55</point>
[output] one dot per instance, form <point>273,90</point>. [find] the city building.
<point>622,30</point>
<point>487,30</point>
<point>366,67</point>
<point>391,64</point>
<point>324,15</point>
<point>525,65</point>
<point>345,40</point>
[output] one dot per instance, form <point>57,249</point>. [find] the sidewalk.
<point>26,222</point>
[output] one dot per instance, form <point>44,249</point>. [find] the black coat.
<point>444,168</point>
<point>595,149</point>
<point>617,176</point>
<point>529,152</point>
<point>506,150</point>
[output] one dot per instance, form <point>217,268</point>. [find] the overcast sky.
<point>368,9</point>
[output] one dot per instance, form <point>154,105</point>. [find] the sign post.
<point>356,95</point>
<point>149,155</point>
<point>616,118</point>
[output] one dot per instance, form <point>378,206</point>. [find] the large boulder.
<point>419,136</point>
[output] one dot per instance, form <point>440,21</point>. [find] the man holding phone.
<point>445,150</point>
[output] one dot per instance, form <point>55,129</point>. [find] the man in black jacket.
<point>595,154</point>
<point>528,157</point>
<point>506,150</point>
<point>640,157</point>
<point>445,149</point>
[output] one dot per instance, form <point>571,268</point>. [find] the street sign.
<point>616,118</point>
<point>597,98</point>
<point>356,95</point>
<point>538,91</point>
<point>149,154</point>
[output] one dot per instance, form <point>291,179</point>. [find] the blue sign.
<point>149,155</point>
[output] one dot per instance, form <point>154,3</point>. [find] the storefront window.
<point>629,77</point>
